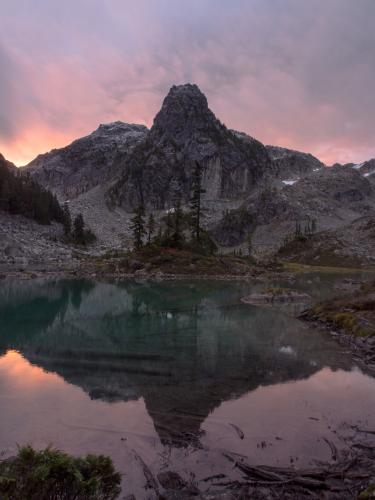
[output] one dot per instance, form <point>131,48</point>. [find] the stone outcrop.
<point>332,197</point>
<point>89,161</point>
<point>25,243</point>
<point>185,131</point>
<point>290,165</point>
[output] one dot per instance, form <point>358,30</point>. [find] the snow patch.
<point>287,350</point>
<point>358,166</point>
<point>290,182</point>
<point>369,173</point>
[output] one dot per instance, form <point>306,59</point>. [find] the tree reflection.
<point>183,347</point>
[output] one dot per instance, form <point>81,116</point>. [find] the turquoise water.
<point>168,371</point>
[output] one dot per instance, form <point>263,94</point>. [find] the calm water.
<point>167,371</point>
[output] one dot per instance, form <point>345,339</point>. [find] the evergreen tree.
<point>79,229</point>
<point>196,213</point>
<point>249,244</point>
<point>67,220</point>
<point>159,236</point>
<point>19,194</point>
<point>298,231</point>
<point>138,226</point>
<point>177,235</point>
<point>150,228</point>
<point>169,228</point>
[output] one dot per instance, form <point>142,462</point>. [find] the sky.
<point>294,73</point>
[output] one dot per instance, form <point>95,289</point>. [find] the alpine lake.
<point>174,375</point>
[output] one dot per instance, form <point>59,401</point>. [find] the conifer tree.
<point>138,226</point>
<point>195,202</point>
<point>249,244</point>
<point>150,228</point>
<point>67,220</point>
<point>79,229</point>
<point>20,194</point>
<point>169,227</point>
<point>177,225</point>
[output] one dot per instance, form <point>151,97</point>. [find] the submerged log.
<point>342,480</point>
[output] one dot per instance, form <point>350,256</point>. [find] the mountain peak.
<point>184,109</point>
<point>185,94</point>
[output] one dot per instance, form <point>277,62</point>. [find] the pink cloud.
<point>287,72</point>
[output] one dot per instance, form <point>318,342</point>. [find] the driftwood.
<point>240,433</point>
<point>151,482</point>
<point>332,448</point>
<point>342,480</point>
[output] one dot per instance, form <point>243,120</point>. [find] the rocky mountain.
<point>7,164</point>
<point>332,197</point>
<point>351,245</point>
<point>290,165</point>
<point>251,189</point>
<point>89,161</point>
<point>367,169</point>
<point>185,131</point>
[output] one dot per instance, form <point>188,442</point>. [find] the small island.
<point>271,296</point>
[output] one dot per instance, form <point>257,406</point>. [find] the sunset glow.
<point>15,367</point>
<point>307,87</point>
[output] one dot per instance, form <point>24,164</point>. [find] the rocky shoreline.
<point>351,322</point>
<point>349,472</point>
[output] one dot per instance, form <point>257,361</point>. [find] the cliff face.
<point>185,131</point>
<point>89,161</point>
<point>291,165</point>
<point>333,197</point>
<point>250,189</point>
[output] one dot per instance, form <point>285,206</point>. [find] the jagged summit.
<point>185,131</point>
<point>184,96</point>
<point>184,112</point>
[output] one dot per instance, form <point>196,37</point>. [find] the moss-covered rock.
<point>367,494</point>
<point>354,315</point>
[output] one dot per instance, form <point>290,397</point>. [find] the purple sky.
<point>296,73</point>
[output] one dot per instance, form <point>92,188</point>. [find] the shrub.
<point>54,475</point>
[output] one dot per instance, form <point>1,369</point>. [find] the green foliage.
<point>79,229</point>
<point>67,220</point>
<point>53,475</point>
<point>138,226</point>
<point>172,227</point>
<point>299,235</point>
<point>177,220</point>
<point>150,228</point>
<point>205,246</point>
<point>19,194</point>
<point>367,494</point>
<point>78,235</point>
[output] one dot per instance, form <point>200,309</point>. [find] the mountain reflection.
<point>184,348</point>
